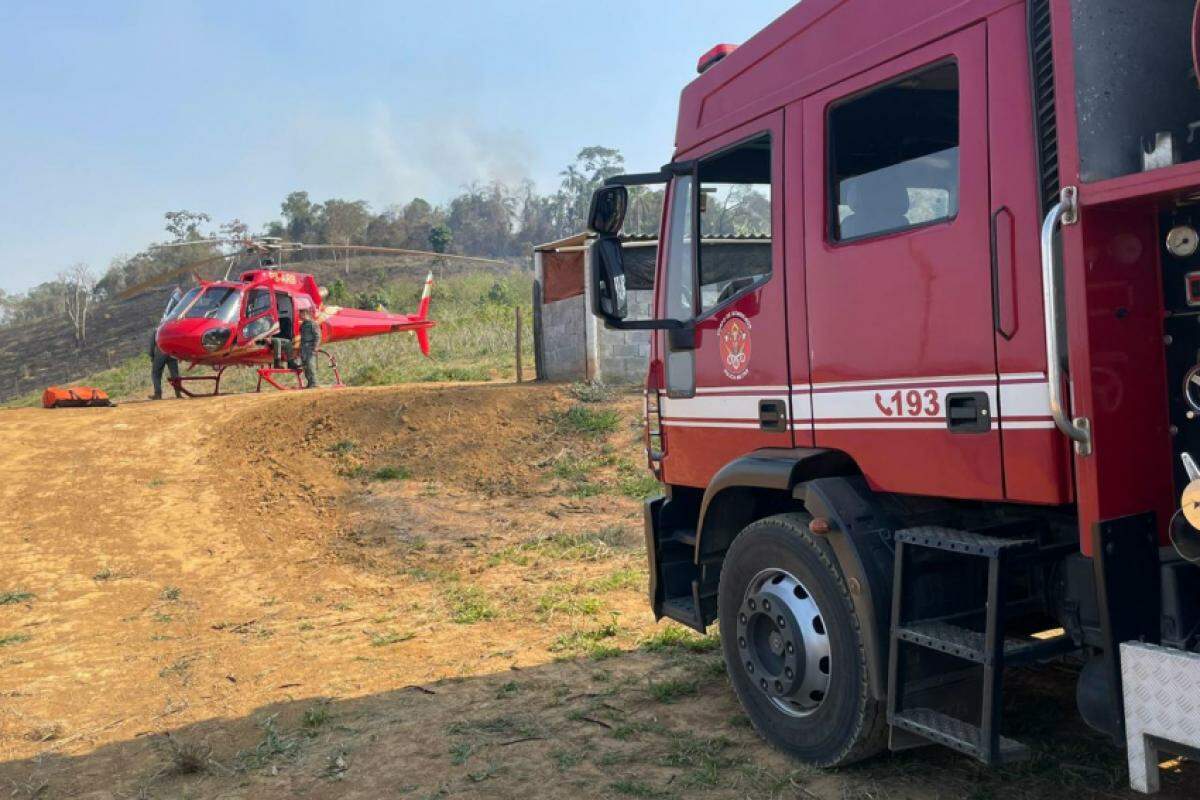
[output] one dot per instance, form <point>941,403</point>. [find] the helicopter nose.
<point>185,339</point>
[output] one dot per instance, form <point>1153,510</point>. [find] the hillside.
<point>42,353</point>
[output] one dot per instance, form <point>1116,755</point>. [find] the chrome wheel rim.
<point>783,642</point>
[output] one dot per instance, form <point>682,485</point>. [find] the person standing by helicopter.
<point>160,360</point>
<point>310,340</point>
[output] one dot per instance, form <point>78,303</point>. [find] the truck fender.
<point>860,537</point>
<point>730,499</point>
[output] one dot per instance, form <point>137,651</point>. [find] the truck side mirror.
<point>609,294</point>
<point>607,212</point>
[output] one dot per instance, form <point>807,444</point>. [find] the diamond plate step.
<point>954,733</point>
<point>970,645</point>
<point>956,541</point>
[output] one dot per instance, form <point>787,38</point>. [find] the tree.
<point>387,229</point>
<point>344,222</point>
<point>79,284</point>
<point>235,229</point>
<point>185,225</point>
<point>645,211</point>
<point>440,238</point>
<point>535,220</point>
<point>593,165</point>
<point>300,216</point>
<point>481,219</point>
<point>420,218</point>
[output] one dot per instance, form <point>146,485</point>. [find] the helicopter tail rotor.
<point>423,314</point>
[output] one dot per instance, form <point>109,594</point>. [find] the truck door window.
<point>679,284</point>
<point>735,221</point>
<point>893,155</point>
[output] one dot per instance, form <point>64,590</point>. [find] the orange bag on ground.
<point>74,397</point>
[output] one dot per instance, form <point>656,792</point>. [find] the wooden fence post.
<point>519,376</point>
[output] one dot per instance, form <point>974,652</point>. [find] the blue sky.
<point>115,112</point>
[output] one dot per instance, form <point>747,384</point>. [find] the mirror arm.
<point>640,179</point>
<point>646,324</point>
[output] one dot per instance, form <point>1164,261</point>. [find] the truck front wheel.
<point>793,645</point>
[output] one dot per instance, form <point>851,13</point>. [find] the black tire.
<point>848,725</point>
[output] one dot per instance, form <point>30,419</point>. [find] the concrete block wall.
<point>564,347</point>
<point>625,355</point>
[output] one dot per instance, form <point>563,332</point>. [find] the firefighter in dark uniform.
<point>160,361</point>
<point>310,340</point>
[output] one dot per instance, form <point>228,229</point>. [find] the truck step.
<point>965,542</point>
<point>682,610</point>
<point>956,734</point>
<point>682,536</point>
<point>970,645</point>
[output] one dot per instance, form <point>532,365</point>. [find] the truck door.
<point>727,383</point>
<point>899,290</point>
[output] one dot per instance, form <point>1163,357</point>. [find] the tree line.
<point>492,220</point>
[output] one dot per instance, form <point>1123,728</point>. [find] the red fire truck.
<point>924,385</point>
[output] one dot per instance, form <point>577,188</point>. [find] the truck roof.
<point>810,47</point>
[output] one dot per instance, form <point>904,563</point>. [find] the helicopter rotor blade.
<point>360,248</point>
<point>167,245</point>
<point>164,277</point>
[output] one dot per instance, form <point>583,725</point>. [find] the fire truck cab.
<point>925,375</point>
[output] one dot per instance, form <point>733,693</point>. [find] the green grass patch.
<point>592,643</point>
<point>567,601</point>
<point>468,605</point>
<point>636,481</point>
<point>592,392</point>
<point>275,746</point>
<point>391,474</point>
<point>672,689</point>
<point>12,598</point>
<point>315,716</point>
<point>560,546</point>
<point>675,637</point>
<point>622,580</point>
<point>705,759</point>
<point>460,752</point>
<point>343,448</point>
<point>7,639</point>
<point>171,593</point>
<point>584,421</point>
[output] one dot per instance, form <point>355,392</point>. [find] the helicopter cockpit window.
<point>217,302</point>
<point>182,306</point>
<point>259,302</point>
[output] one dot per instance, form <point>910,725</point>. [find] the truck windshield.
<point>216,302</point>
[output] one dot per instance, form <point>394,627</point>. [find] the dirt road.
<point>419,592</point>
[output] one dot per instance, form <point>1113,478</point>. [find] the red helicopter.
<point>254,320</point>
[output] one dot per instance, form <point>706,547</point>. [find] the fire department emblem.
<point>734,336</point>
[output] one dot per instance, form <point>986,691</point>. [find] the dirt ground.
<point>417,592</point>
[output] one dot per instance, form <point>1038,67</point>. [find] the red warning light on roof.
<point>713,56</point>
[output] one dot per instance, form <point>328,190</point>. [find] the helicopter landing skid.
<point>180,384</point>
<point>269,374</point>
